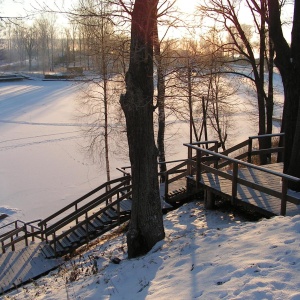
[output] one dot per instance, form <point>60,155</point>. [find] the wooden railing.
<point>22,232</point>
<point>54,233</point>
<point>200,167</point>
<point>242,151</point>
<point>70,214</point>
<point>84,202</point>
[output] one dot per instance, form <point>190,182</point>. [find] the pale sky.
<point>14,8</point>
<point>19,7</point>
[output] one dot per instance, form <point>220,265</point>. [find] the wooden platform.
<point>248,196</point>
<point>20,266</point>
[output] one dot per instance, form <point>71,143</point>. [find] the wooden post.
<point>106,190</point>
<point>54,240</point>
<point>198,168</point>
<point>118,209</point>
<point>166,186</point>
<point>209,201</point>
<point>46,236</point>
<point>12,245</point>
<point>189,165</point>
<point>32,231</point>
<point>234,183</point>
<point>86,226</point>
<point>3,248</point>
<point>283,198</point>
<point>42,232</point>
<point>76,207</point>
<point>26,236</point>
<point>217,159</point>
<point>16,226</point>
<point>250,150</point>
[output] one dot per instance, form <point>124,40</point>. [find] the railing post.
<point>32,231</point>
<point>16,226</point>
<point>190,157</point>
<point>3,248</point>
<point>234,183</point>
<point>118,209</point>
<point>87,227</point>
<point>26,235</point>
<point>283,198</point>
<point>106,202</point>
<point>198,167</point>
<point>42,231</point>
<point>54,240</point>
<point>217,159</point>
<point>12,243</point>
<point>46,236</point>
<point>250,150</point>
<point>166,185</point>
<point>76,208</point>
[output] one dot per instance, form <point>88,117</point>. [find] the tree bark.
<point>288,62</point>
<point>146,225</point>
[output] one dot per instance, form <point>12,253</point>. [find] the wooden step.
<point>125,206</point>
<point>65,242</point>
<point>97,223</point>
<point>80,232</point>
<point>111,213</point>
<point>73,238</point>
<point>48,251</point>
<point>105,219</point>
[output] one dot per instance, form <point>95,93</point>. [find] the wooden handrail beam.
<point>43,222</point>
<point>233,160</point>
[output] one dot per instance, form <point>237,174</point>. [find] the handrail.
<point>283,175</point>
<point>87,219</point>
<point>235,178</point>
<point>13,235</point>
<point>123,171</point>
<point>74,203</point>
<point>76,215</point>
<point>15,223</point>
<point>266,135</point>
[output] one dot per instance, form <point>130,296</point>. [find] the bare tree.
<point>95,20</point>
<point>225,13</point>
<point>146,224</point>
<point>30,42</point>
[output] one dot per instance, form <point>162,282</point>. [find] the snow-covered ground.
<point>42,166</point>
<point>206,255</point>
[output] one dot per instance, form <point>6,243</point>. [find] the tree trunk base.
<point>136,243</point>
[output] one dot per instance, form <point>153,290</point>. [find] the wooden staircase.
<point>90,216</point>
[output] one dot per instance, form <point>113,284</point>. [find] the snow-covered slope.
<point>205,255</point>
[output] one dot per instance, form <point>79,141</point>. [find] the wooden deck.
<point>20,266</point>
<point>249,196</point>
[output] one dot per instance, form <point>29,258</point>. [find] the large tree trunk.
<point>288,62</point>
<point>146,225</point>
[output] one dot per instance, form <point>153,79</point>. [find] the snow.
<point>42,167</point>
<point>205,255</point>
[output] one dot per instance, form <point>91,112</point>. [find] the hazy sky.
<point>19,7</point>
<point>14,8</point>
